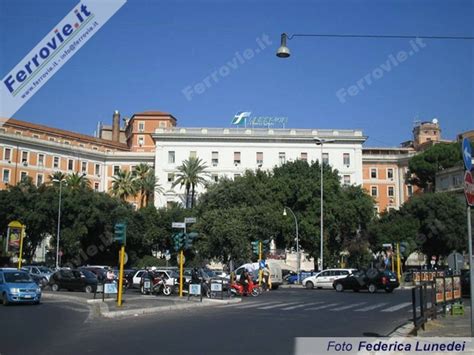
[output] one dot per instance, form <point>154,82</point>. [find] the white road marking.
<point>258,304</point>
<point>338,309</point>
<point>397,307</point>
<point>300,306</point>
<point>321,307</point>
<point>278,305</point>
<point>369,308</point>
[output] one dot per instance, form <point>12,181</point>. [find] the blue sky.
<point>149,52</point>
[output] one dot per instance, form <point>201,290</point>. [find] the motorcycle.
<point>155,285</point>
<point>253,289</point>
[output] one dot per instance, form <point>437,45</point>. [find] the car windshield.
<point>173,274</point>
<point>17,277</point>
<point>45,269</point>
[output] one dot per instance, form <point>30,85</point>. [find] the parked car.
<point>17,286</point>
<point>73,280</point>
<point>293,278</point>
<point>42,272</point>
<point>98,271</point>
<point>136,279</point>
<point>39,280</point>
<point>325,278</point>
<point>371,280</point>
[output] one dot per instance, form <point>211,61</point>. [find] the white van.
<point>276,277</point>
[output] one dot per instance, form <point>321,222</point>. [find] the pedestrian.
<point>110,275</point>
<point>266,278</point>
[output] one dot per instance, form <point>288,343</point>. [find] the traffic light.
<point>120,233</point>
<point>265,246</point>
<point>255,247</point>
<point>189,240</point>
<point>178,241</point>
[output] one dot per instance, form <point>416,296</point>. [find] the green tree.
<point>57,175</point>
<point>77,181</point>
<point>147,183</point>
<point>422,168</point>
<point>191,173</point>
<point>123,185</point>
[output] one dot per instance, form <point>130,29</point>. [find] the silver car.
<point>41,272</point>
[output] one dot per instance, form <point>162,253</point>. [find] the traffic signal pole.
<point>260,271</point>
<point>20,257</point>
<point>181,264</point>
<point>399,267</point>
<point>120,290</point>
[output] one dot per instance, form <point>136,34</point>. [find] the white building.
<point>231,151</point>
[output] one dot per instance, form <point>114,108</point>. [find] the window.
<point>56,163</point>
<point>390,191</point>
<point>170,177</point>
<point>376,210</point>
<point>35,136</point>
<point>97,169</point>
<point>96,186</point>
<point>373,173</point>
<point>51,139</point>
<point>162,124</point>
<point>282,157</point>
<point>304,156</point>
<point>141,126</point>
<point>24,157</point>
<point>141,140</point>
<point>373,191</point>
<point>84,167</point>
<point>81,145</point>
<point>40,159</point>
<point>215,158</point>
<point>133,169</point>
<point>7,154</point>
<point>325,158</point>
<point>347,179</point>
<point>236,158</point>
<point>116,169</point>
<point>95,148</point>
<point>390,173</point>
<point>346,159</point>
<point>215,177</point>
<point>236,176</point>
<point>260,158</point>
<point>6,176</point>
<point>410,190</point>
<point>70,164</point>
<point>39,179</point>
<point>18,133</point>
<point>192,154</point>
<point>171,157</point>
<point>23,175</point>
<point>67,142</point>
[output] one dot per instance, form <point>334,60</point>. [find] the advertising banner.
<point>448,291</point>
<point>456,287</point>
<point>439,287</point>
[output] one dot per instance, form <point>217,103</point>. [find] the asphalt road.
<point>265,324</point>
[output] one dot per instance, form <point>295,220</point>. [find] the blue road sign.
<point>467,154</point>
<point>262,264</point>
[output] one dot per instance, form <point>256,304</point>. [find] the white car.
<point>325,278</point>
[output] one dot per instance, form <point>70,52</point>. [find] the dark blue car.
<point>293,278</point>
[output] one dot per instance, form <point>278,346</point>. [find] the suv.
<point>325,278</point>
<point>18,286</point>
<point>371,280</point>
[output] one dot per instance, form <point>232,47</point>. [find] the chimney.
<point>116,127</point>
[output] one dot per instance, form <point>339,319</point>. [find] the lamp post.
<point>298,260</point>
<point>320,141</point>
<point>59,220</point>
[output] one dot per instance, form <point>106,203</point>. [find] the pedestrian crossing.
<point>300,306</point>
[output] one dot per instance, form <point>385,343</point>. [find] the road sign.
<point>469,188</point>
<point>178,225</point>
<point>177,259</point>
<point>455,261</point>
<point>262,264</point>
<point>190,220</point>
<point>386,245</point>
<point>467,154</point>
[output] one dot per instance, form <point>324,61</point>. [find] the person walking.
<point>267,285</point>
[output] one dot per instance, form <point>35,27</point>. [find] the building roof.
<point>154,114</point>
<point>63,133</point>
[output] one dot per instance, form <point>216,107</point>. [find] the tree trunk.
<point>187,196</point>
<point>192,196</point>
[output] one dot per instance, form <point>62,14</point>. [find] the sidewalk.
<point>448,326</point>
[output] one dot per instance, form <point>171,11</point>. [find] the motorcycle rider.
<point>195,279</point>
<point>244,281</point>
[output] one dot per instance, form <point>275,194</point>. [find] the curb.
<point>403,331</point>
<point>66,297</point>
<point>104,309</point>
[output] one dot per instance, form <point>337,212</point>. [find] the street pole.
<point>22,236</point>
<point>122,257</point>
<point>322,208</point>
<point>181,273</point>
<point>259,261</point>
<point>59,224</point>
<point>471,269</point>
<point>398,262</point>
<point>298,261</point>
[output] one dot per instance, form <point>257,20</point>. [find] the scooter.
<point>252,289</point>
<point>156,286</point>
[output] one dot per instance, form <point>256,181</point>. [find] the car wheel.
<point>339,287</point>
<point>372,288</point>
<point>5,299</point>
<point>88,289</point>
<point>309,285</point>
<point>55,287</point>
<point>389,290</point>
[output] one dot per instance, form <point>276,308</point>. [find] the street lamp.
<point>320,141</point>
<point>59,220</point>
<point>298,260</point>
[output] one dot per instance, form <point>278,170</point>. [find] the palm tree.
<point>77,181</point>
<point>57,175</point>
<point>150,186</point>
<point>190,175</point>
<point>123,185</point>
<point>140,174</point>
